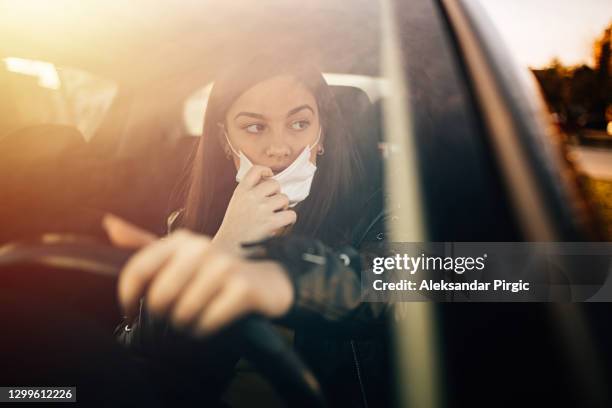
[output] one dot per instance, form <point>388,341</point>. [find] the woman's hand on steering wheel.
<point>198,285</point>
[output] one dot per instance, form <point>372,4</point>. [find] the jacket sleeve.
<point>330,293</point>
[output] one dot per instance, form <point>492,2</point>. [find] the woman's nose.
<point>278,150</point>
<point>278,146</point>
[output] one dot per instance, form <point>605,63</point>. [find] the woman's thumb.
<point>126,235</point>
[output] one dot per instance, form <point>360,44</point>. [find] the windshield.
<point>316,185</point>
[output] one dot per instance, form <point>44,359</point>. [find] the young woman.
<point>277,170</point>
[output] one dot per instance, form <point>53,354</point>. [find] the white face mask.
<point>295,180</point>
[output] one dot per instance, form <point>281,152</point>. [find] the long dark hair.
<point>328,212</point>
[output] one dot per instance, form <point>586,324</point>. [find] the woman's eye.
<point>300,125</point>
<point>255,128</point>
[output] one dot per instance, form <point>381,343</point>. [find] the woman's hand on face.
<point>196,285</point>
<point>256,210</point>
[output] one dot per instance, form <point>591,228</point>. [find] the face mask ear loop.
<point>316,141</point>
<point>230,144</point>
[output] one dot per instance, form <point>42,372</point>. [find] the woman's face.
<point>272,123</point>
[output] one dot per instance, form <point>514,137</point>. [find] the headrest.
<point>362,119</point>
<point>353,103</point>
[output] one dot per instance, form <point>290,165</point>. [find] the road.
<point>595,162</point>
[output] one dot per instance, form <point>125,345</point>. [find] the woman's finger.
<point>175,275</point>
<point>267,188</point>
<point>125,234</point>
<point>140,270</point>
<point>208,281</point>
<point>254,176</point>
<point>278,202</point>
<point>283,218</point>
<point>231,303</point>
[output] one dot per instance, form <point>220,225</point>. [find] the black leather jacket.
<point>340,336</point>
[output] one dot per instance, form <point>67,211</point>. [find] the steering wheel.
<point>261,344</point>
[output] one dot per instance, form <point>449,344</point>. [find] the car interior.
<point>66,164</point>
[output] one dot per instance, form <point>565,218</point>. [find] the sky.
<point>538,30</point>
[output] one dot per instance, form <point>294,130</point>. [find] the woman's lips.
<point>277,170</point>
